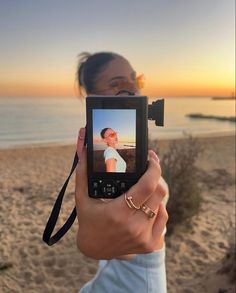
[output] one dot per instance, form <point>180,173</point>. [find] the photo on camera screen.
<point>114,140</point>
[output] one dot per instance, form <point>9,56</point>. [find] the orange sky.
<point>184,48</point>
<point>36,90</point>
<point>159,88</point>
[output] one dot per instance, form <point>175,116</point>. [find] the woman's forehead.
<point>116,67</point>
<point>109,130</point>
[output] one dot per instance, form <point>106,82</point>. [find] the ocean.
<point>30,121</point>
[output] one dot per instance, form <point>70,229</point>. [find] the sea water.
<point>29,121</point>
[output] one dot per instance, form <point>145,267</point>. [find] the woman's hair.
<point>102,133</point>
<point>89,66</point>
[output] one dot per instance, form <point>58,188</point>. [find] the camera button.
<point>95,192</point>
<point>104,190</point>
<point>95,184</point>
<point>109,189</point>
<point>114,190</point>
<point>123,185</point>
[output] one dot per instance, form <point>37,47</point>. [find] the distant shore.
<point>215,117</point>
<point>223,98</point>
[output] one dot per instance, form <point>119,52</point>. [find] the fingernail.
<point>81,133</point>
<point>155,156</point>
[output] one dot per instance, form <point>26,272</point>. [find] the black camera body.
<point>117,141</point>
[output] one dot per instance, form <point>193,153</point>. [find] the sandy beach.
<point>30,180</point>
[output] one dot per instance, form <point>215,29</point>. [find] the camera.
<point>117,141</point>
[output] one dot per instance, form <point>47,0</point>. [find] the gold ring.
<point>130,202</point>
<point>150,213</point>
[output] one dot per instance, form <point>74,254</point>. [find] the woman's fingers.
<point>160,222</point>
<point>147,184</point>
<point>80,141</point>
<point>81,185</point>
<point>166,188</point>
<point>157,196</point>
<point>81,170</point>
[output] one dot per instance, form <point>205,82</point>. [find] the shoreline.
<point>70,143</point>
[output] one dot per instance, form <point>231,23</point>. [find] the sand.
<point>30,179</point>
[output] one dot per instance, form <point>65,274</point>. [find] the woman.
<point>113,160</point>
<point>119,230</point>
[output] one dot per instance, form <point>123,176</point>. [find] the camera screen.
<point>114,140</point>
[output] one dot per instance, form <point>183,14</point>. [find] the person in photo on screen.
<point>113,160</point>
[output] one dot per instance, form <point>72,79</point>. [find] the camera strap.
<point>50,240</point>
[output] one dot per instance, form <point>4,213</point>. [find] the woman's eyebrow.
<point>132,74</point>
<point>117,77</point>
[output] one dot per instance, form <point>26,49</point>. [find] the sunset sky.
<point>121,121</point>
<point>183,47</point>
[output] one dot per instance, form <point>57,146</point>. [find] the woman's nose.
<point>132,87</point>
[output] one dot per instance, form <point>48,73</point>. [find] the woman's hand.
<point>110,229</point>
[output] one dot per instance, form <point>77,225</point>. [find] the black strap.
<point>50,240</point>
